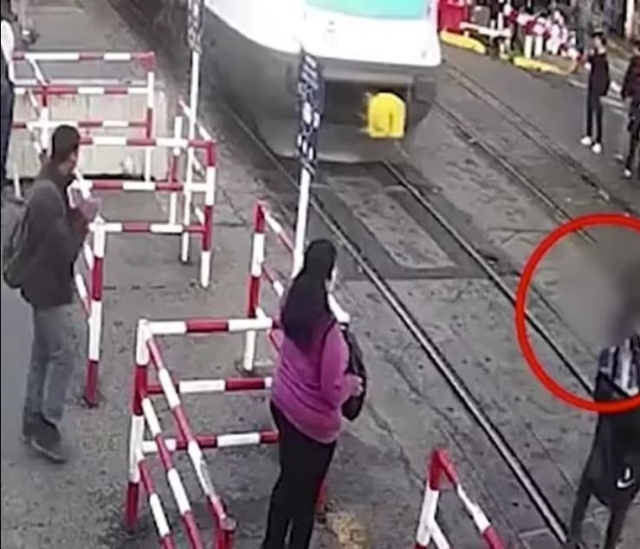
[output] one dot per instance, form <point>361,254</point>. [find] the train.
<point>365,47</point>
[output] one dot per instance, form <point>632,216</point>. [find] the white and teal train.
<point>365,46</point>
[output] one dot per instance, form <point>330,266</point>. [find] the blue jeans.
<point>51,363</point>
<point>7,102</point>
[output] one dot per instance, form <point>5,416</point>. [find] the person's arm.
<point>336,386</point>
<point>59,241</point>
<point>8,43</point>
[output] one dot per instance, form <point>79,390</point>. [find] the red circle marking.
<point>529,354</point>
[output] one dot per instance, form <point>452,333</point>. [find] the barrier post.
<point>257,261</point>
<point>194,34</point>
<point>149,114</point>
<point>173,172</point>
<point>136,434</point>
<point>427,519</point>
<point>209,203</point>
<point>95,318</point>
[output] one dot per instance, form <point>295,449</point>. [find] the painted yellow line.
<point>463,42</point>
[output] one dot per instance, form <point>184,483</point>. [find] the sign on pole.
<point>194,24</point>
<point>310,110</point>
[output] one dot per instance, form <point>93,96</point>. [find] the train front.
<point>380,59</point>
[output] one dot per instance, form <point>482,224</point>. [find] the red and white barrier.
<point>429,531</point>
<point>263,220</point>
<point>143,414</point>
<point>92,294</point>
<point>44,89</point>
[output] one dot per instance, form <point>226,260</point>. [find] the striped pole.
<point>226,440</point>
<point>136,430</point>
<point>209,202</point>
<point>95,319</point>
<point>208,326</point>
<point>155,504</point>
<point>173,477</point>
<point>255,276</point>
<point>149,113</point>
<point>54,90</point>
<point>173,172</point>
<point>428,528</point>
<point>228,385</point>
<point>225,525</point>
<point>80,124</point>
<point>60,57</point>
<point>135,186</point>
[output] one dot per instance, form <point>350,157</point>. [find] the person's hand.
<point>89,208</point>
<point>357,386</point>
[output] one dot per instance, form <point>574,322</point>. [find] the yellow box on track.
<point>386,116</point>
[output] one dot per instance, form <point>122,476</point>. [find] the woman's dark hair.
<point>306,303</point>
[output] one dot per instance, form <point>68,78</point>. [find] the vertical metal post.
<point>310,105</point>
<point>194,36</point>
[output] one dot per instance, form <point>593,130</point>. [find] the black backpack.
<point>352,408</point>
<point>13,253</point>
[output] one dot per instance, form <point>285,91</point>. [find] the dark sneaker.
<point>30,424</point>
<point>47,441</point>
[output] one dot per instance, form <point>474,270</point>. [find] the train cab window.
<point>387,9</point>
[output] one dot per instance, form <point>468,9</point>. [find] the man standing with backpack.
<point>7,78</point>
<point>39,259</point>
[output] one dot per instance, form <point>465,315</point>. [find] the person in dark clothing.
<point>7,93</point>
<point>53,238</point>
<point>599,82</point>
<point>612,471</point>
<point>631,92</point>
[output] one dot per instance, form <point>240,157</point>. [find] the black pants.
<point>617,516</point>
<point>304,463</point>
<point>634,141</point>
<point>594,109</point>
<point>7,102</point>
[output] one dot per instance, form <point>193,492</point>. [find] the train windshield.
<point>384,9</point>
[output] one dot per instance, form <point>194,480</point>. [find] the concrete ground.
<point>376,481</point>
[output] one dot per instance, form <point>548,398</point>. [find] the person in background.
<point>54,236</point>
<point>599,82</point>
<point>630,92</point>
<point>7,91</point>
<point>309,387</point>
<point>28,33</point>
<point>612,471</point>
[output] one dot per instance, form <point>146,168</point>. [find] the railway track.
<point>437,357</point>
<point>464,395</point>
<point>538,139</point>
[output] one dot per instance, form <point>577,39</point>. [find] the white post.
<point>151,92</point>
<point>173,197</point>
<point>17,189</point>
<point>301,222</point>
<point>193,114</point>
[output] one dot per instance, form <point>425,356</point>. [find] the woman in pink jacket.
<point>309,387</point>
